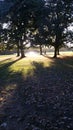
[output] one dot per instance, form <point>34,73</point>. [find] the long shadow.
<point>5,73</point>
<point>41,101</point>
<point>68,60</point>
<point>65,61</point>
<point>5,59</point>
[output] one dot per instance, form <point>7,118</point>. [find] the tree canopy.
<point>45,21</point>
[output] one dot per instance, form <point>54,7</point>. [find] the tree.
<point>22,16</point>
<point>59,14</point>
<point>50,18</point>
<point>4,9</point>
<point>51,22</point>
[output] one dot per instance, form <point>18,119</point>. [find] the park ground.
<point>36,92</point>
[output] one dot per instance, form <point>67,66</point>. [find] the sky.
<point>70,28</point>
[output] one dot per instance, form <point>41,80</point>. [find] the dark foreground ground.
<point>42,101</point>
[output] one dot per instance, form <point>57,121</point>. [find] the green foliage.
<point>41,22</point>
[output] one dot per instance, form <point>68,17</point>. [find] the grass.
<point>10,64</point>
<point>24,65</point>
<point>13,68</point>
<point>37,80</point>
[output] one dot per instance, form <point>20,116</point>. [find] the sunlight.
<point>70,28</point>
<point>26,66</point>
<point>32,53</point>
<point>5,26</point>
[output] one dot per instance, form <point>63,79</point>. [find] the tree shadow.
<point>42,100</point>
<point>5,73</point>
<point>68,60</point>
<point>63,60</point>
<point>5,59</point>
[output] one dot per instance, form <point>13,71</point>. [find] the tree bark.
<point>22,50</point>
<point>56,45</point>
<point>22,53</point>
<point>18,51</point>
<point>58,52</point>
<point>55,52</point>
<point>40,49</point>
<point>45,50</point>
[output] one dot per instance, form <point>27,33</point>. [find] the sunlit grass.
<point>26,65</point>
<point>23,65</point>
<point>66,53</point>
<point>14,70</point>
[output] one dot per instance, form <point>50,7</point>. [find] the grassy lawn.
<point>36,89</point>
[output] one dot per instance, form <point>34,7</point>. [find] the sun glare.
<point>32,53</point>
<point>5,25</point>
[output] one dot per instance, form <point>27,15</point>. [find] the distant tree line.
<point>41,22</point>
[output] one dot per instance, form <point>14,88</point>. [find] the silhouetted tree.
<point>22,16</point>
<point>59,15</point>
<point>50,18</point>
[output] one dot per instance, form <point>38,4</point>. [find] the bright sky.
<point>70,28</point>
<point>5,25</point>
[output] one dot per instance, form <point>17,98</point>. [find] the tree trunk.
<point>55,52</point>
<point>22,53</point>
<point>40,49</point>
<point>56,46</point>
<point>58,52</point>
<point>45,50</point>
<point>22,50</point>
<point>18,51</point>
